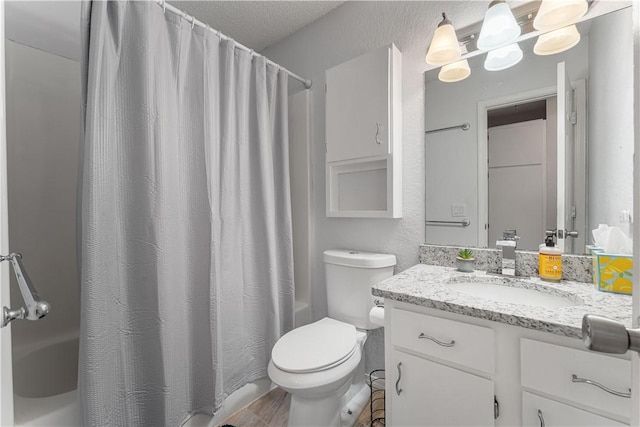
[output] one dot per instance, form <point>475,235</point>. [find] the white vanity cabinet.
<point>428,392</point>
<point>539,411</point>
<point>597,383</point>
<point>364,135</point>
<point>445,368</point>
<point>432,394</point>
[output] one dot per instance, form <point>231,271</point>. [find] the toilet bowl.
<point>321,364</point>
<point>316,363</point>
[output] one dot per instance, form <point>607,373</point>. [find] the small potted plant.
<point>465,260</point>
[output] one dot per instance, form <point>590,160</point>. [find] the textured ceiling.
<point>257,24</point>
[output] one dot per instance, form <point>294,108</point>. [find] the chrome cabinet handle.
<point>541,418</point>
<point>575,379</point>
<point>398,389</point>
<point>443,344</point>
<point>378,127</point>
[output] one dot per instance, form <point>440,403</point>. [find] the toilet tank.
<point>349,278</point>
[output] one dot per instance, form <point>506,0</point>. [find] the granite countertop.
<point>428,286</point>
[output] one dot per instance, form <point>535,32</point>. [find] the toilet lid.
<point>320,345</point>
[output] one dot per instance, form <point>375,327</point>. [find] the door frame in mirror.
<point>483,179</point>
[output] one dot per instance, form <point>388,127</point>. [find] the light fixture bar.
<point>524,15</point>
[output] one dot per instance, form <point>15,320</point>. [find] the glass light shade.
<point>499,27</point>
<point>454,72</point>
<point>503,58</point>
<point>557,41</point>
<point>554,14</point>
<point>444,47</point>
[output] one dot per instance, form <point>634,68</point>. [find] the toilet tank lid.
<point>358,259</point>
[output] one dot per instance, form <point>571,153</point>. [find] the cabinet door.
<point>432,394</point>
<point>538,411</point>
<point>357,107</point>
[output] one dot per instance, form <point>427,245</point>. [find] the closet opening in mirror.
<point>521,147</point>
<point>532,168</point>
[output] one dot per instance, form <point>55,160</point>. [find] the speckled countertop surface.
<point>429,286</point>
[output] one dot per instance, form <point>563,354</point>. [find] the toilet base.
<point>305,412</point>
<point>352,408</point>
<point>336,410</point>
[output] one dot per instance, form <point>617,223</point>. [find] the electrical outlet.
<point>457,210</point>
<point>625,217</point>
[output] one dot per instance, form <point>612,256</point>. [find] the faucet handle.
<point>510,234</point>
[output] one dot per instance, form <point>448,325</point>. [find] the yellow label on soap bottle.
<point>550,267</point>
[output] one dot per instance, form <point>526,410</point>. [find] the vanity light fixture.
<point>444,47</point>
<point>554,14</point>
<point>454,72</point>
<point>503,58</point>
<point>557,41</point>
<point>499,27</point>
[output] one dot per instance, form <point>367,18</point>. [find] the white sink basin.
<point>513,294</point>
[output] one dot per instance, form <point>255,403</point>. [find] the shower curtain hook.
<point>193,22</point>
<point>164,7</point>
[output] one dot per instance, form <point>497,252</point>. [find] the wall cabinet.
<point>364,135</point>
<point>446,369</point>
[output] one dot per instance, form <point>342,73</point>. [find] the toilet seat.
<point>315,347</point>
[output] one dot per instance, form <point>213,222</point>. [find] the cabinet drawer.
<point>468,345</point>
<point>554,413</point>
<point>550,369</point>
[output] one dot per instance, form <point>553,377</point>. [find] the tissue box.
<point>592,250</point>
<point>613,273</point>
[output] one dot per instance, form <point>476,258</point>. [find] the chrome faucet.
<point>508,244</point>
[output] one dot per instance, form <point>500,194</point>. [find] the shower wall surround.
<point>574,267</point>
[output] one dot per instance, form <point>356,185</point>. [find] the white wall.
<point>52,26</point>
<point>346,32</point>
<point>43,139</point>
<point>610,119</point>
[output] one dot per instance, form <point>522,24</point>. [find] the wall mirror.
<point>549,144</point>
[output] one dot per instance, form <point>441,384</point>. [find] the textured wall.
<point>610,119</point>
<point>346,32</point>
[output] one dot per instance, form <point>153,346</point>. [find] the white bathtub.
<point>44,385</point>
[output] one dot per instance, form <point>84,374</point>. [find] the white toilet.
<point>321,364</point>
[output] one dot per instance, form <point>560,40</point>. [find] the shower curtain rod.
<point>166,6</point>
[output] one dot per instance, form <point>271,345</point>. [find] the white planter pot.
<point>465,265</point>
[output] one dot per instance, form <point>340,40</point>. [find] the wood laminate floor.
<point>272,410</point>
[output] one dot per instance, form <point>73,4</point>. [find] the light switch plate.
<point>457,210</point>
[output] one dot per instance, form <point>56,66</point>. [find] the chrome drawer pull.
<point>541,418</point>
<point>444,344</point>
<point>575,379</point>
<point>398,389</point>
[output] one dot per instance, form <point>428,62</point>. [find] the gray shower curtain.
<point>186,246</point>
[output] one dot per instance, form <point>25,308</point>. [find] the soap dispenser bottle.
<point>550,260</point>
